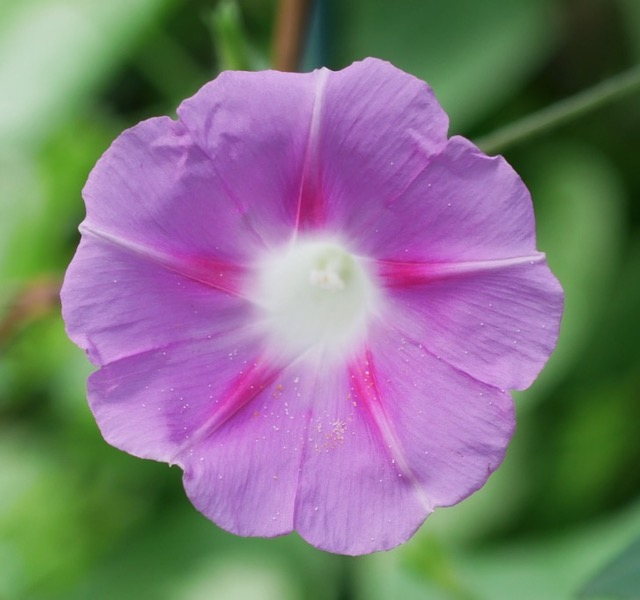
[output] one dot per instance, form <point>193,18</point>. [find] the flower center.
<point>314,295</point>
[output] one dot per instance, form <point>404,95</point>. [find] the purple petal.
<point>157,403</point>
<point>255,127</point>
<point>119,303</point>
<point>463,206</point>
<point>377,129</point>
<point>243,473</point>
<point>353,498</point>
<point>447,431</point>
<point>164,295</point>
<point>498,321</point>
<point>154,188</point>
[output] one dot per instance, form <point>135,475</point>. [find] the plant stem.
<point>562,112</point>
<point>290,30</point>
<point>36,299</point>
<point>346,577</point>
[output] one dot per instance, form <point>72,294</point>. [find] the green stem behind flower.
<point>562,112</point>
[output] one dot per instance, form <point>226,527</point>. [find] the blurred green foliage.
<point>79,519</point>
<point>620,578</point>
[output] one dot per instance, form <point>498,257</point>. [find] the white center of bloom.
<point>314,295</point>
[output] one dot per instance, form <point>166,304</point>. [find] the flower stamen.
<point>314,294</point>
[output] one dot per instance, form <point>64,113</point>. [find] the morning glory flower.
<point>311,300</point>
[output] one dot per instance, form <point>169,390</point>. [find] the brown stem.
<point>291,25</point>
<point>35,300</point>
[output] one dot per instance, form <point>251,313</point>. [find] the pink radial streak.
<point>363,374</point>
<point>242,390</point>
<point>221,275</point>
<point>310,214</point>
<point>406,274</point>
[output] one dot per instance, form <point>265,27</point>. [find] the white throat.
<point>314,295</point>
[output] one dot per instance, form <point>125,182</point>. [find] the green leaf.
<point>182,556</point>
<point>579,203</point>
<point>474,54</point>
<point>230,39</point>
<point>542,568</point>
<point>22,202</point>
<point>619,579</point>
<point>630,10</point>
<point>551,568</point>
<point>40,200</point>
<point>54,53</point>
<point>62,510</point>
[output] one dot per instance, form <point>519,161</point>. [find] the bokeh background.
<point>80,520</point>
